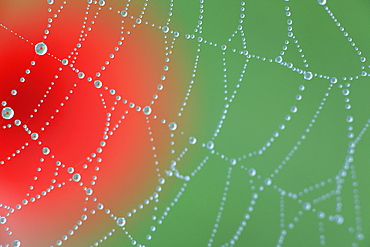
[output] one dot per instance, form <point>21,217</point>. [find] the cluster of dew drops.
<point>8,113</point>
<point>348,168</point>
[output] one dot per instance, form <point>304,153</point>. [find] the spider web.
<point>255,135</point>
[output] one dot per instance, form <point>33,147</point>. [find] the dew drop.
<point>121,222</point>
<point>306,206</point>
<point>345,92</point>
<point>333,80</point>
<point>17,122</point>
<point>13,92</point>
<point>89,191</point>
<point>16,243</point>
<point>268,181</point>
<point>308,75</point>
<point>321,2</point>
<point>338,219</point>
<point>7,113</point>
<point>294,109</point>
<point>124,13</point>
<point>192,140</point>
<point>65,61</point>
<point>279,59</point>
<point>34,136</point>
<point>76,177</point>
<point>360,236</point>
<point>147,110</point>
<point>252,172</point>
<point>46,151</point>
<point>41,48</point>
<point>172,126</point>
<point>210,145</point>
<point>233,162</point>
<point>321,215</point>
<point>349,119</point>
<point>98,84</point>
<point>165,29</point>
<point>81,75</point>
<point>2,220</point>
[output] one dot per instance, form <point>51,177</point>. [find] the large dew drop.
<point>98,84</point>
<point>65,61</point>
<point>172,126</point>
<point>76,177</point>
<point>147,110</point>
<point>321,2</point>
<point>165,29</point>
<point>121,222</point>
<point>89,191</point>
<point>46,151</point>
<point>278,59</point>
<point>268,181</point>
<point>41,48</point>
<point>7,113</point>
<point>252,172</point>
<point>233,162</point>
<point>308,75</point>
<point>338,219</point>
<point>124,13</point>
<point>192,140</point>
<point>34,136</point>
<point>306,206</point>
<point>2,220</point>
<point>81,75</point>
<point>210,145</point>
<point>349,119</point>
<point>16,243</point>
